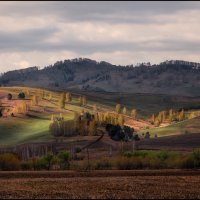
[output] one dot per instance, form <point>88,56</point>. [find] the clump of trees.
<point>10,162</point>
<point>22,108</point>
<point>120,110</point>
<point>121,133</point>
<point>82,124</point>
<point>111,118</point>
<point>168,116</point>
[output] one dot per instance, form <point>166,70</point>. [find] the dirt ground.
<point>103,185</point>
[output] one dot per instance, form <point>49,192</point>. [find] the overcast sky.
<point>40,33</point>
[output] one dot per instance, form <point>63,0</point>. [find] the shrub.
<point>21,95</point>
<point>63,159</point>
<point>9,161</point>
<point>26,165</point>
<point>186,162</point>
<point>163,155</point>
<point>156,163</point>
<point>196,157</point>
<point>129,163</point>
<point>103,165</point>
<point>77,149</point>
<point>48,160</point>
<point>38,164</point>
<point>9,97</point>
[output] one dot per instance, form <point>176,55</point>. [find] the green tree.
<point>21,95</point>
<point>49,160</point>
<point>64,159</point>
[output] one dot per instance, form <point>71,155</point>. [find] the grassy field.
<point>146,104</point>
<point>35,127</point>
<point>19,130</point>
<point>15,131</point>
<point>187,126</point>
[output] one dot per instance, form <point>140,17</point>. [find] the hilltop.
<point>178,78</point>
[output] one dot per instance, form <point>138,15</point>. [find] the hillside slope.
<point>89,75</point>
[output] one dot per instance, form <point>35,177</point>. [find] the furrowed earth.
<point>170,184</point>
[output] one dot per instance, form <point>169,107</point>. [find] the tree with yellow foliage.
<point>134,113</point>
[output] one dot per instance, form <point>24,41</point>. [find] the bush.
<point>9,162</point>
<point>129,163</point>
<point>38,164</point>
<point>103,165</point>
<point>48,160</point>
<point>21,95</point>
<point>163,155</point>
<point>196,158</point>
<point>77,149</point>
<point>186,162</point>
<point>9,97</point>
<point>63,159</point>
<point>26,165</point>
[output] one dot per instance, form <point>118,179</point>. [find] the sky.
<point>121,32</point>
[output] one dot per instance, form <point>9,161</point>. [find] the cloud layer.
<point>40,33</point>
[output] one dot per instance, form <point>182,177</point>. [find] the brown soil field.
<point>157,184</point>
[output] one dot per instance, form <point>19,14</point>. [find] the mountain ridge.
<point>169,77</point>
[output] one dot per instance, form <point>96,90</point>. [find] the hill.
<point>172,78</point>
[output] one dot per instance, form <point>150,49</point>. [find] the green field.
<point>19,130</point>
<point>146,104</point>
<point>15,131</point>
<point>184,127</point>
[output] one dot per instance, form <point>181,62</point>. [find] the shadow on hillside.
<point>36,117</point>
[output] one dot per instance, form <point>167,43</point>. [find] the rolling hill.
<point>172,78</point>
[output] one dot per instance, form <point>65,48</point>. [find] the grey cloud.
<point>118,12</point>
<point>31,39</point>
<point>35,39</point>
